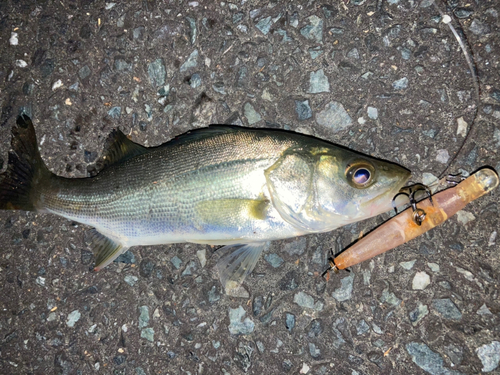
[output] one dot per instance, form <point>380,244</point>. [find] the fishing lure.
<point>405,227</point>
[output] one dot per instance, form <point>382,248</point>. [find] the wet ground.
<point>382,77</point>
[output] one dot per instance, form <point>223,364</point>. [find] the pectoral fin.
<point>227,212</point>
<point>239,262</point>
<point>105,249</point>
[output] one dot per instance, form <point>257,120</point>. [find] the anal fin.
<point>238,263</point>
<point>105,249</point>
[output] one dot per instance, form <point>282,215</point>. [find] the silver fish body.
<point>222,185</point>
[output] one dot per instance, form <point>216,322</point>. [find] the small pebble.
<point>489,354</point>
<point>465,217</point>
<point>462,127</point>
<point>479,28</point>
<point>305,300</point>
<point>238,325</point>
<point>131,280</point>
<point>213,295</point>
<point>305,369</point>
<point>21,63</point>
<point>239,292</point>
<point>127,257</point>
<point>57,84</point>
<point>377,329</point>
<point>190,267</point>
<point>144,316</point>
<point>314,52</point>
<point>493,237</point>
<point>400,84</point>
<point>157,73</point>
<point>193,29</point>
<point>408,265</point>
<point>345,291</point>
<point>14,41</point>
<point>427,360</point>
<point>462,12</point>
<point>251,114</point>
<point>372,113</point>
<point>313,31</point>
<point>195,81</point>
<point>433,266</point>
<point>176,262</point>
<point>467,274</point>
<point>294,20</point>
<point>420,281</point>
<point>191,62</point>
<point>84,72</point>
<point>447,309</point>
<point>274,260</point>
<point>483,310</point>
<point>442,156</point>
<point>495,94</point>
<point>455,354</point>
<point>115,112</point>
<point>148,334</point>
<point>428,178</point>
<point>334,117</point>
<point>353,54</point>
<point>290,321</point>
<point>73,317</point>
<point>296,247</point>
<point>318,82</point>
<point>362,327</point>
<point>303,109</point>
<point>419,313</point>
<point>314,351</point>
<point>390,298</point>
<point>202,257</point>
<point>496,134</point>
<point>264,25</point>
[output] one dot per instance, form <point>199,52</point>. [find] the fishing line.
<point>469,57</point>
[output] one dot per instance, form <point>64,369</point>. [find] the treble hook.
<point>418,213</point>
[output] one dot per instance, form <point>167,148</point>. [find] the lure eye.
<point>360,175</point>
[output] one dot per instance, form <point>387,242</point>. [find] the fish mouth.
<point>387,203</point>
<point>383,203</point>
<point>403,180</point>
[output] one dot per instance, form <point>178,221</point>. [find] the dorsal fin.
<point>119,148</point>
<point>203,133</point>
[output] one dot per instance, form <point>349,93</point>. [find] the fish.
<point>221,185</point>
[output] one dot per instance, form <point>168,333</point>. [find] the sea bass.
<point>221,185</point>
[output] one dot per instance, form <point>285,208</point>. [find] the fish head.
<point>355,188</point>
<point>322,190</point>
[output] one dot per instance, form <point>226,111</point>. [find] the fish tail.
<point>20,185</point>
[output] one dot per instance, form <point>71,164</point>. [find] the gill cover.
<point>291,182</point>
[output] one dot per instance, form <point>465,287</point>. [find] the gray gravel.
<point>384,78</point>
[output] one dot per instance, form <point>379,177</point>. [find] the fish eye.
<point>359,175</point>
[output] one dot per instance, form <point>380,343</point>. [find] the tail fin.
<point>25,170</point>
